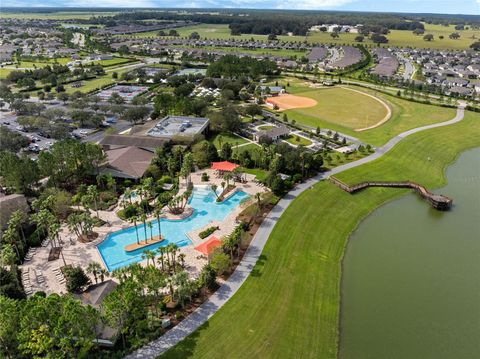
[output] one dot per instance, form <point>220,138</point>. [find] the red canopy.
<point>209,245</point>
<point>224,166</point>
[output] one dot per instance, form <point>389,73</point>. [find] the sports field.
<point>341,106</point>
<point>287,102</point>
<point>295,286</point>
<point>405,114</point>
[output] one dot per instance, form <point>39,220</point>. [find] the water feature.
<point>411,276</point>
<point>206,209</point>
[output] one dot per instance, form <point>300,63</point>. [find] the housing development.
<point>231,183</point>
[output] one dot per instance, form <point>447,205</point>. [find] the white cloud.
<point>312,4</point>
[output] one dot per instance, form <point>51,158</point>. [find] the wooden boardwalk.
<point>437,201</point>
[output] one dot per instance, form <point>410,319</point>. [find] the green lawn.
<point>405,115</point>
<point>403,38</point>
<point>338,106</point>
<point>40,63</point>
<point>265,127</point>
<point>114,62</point>
<point>213,31</point>
<point>298,140</point>
<point>254,150</point>
<point>396,37</point>
<point>289,305</point>
<point>231,138</point>
<point>96,83</point>
<point>257,172</point>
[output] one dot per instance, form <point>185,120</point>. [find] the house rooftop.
<point>127,162</point>
<point>171,126</point>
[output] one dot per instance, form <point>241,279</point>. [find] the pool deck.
<point>81,254</point>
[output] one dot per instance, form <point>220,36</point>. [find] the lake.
<point>411,276</point>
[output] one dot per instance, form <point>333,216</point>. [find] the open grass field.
<point>93,84</point>
<point>405,114</point>
<point>289,306</point>
<point>275,52</point>
<point>402,38</point>
<point>114,62</point>
<point>339,106</point>
<point>396,37</point>
<point>214,31</point>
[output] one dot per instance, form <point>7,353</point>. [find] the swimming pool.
<point>205,209</point>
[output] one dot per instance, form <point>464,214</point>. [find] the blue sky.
<point>432,6</point>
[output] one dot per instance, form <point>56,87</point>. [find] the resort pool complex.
<point>205,209</point>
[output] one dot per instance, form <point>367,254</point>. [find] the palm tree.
<point>227,178</point>
<point>10,237</point>
<point>150,226</point>
<point>15,221</point>
<point>103,273</point>
<point>214,188</point>
<point>161,258</point>
<point>93,193</point>
<point>128,195</point>
<point>229,244</point>
<point>258,197</point>
<point>94,268</point>
<point>149,255</point>
<point>174,249</point>
<point>143,218</point>
<point>157,213</point>
<point>133,220</point>
<point>181,258</point>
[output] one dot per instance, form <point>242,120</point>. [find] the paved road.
<point>234,282</point>
<point>409,69</point>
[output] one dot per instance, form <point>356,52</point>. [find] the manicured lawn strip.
<point>289,305</point>
<point>298,140</point>
<point>265,127</point>
<point>114,62</point>
<point>258,173</point>
<point>231,138</point>
<point>339,106</point>
<point>405,115</point>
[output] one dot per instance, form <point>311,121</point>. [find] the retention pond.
<point>411,276</point>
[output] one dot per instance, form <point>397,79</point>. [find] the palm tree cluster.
<point>232,243</point>
<point>138,303</point>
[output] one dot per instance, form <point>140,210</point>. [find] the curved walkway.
<point>234,282</point>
